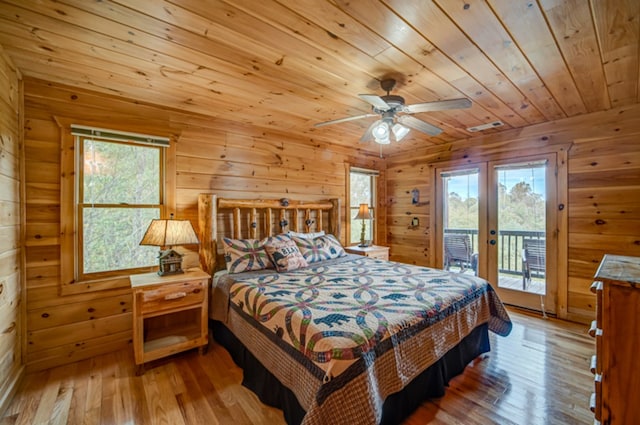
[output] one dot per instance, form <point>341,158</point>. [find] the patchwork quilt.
<point>343,334</point>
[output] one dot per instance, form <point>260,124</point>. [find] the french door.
<point>497,220</point>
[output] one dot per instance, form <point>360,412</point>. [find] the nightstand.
<point>373,251</point>
<point>169,314</point>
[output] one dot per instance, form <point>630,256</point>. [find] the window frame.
<point>72,282</point>
<point>351,211</point>
<point>81,206</point>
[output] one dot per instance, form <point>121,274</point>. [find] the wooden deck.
<point>536,286</point>
<point>537,375</point>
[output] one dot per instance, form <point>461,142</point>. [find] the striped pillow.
<point>321,248</point>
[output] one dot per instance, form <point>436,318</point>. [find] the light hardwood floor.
<point>537,375</point>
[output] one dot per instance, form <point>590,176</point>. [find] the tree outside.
<point>120,195</point>
<point>521,208</point>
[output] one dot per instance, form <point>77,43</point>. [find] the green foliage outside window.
<point>120,195</point>
<point>520,207</point>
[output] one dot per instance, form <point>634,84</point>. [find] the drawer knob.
<point>175,296</point>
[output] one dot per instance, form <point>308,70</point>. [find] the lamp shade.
<point>363,213</point>
<point>169,233</point>
<point>399,131</point>
<point>381,133</point>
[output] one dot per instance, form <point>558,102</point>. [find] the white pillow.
<point>306,235</point>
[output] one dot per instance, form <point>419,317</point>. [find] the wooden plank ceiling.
<point>289,64</point>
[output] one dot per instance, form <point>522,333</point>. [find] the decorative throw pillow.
<point>321,248</point>
<point>243,255</point>
<point>285,255</point>
<point>310,235</point>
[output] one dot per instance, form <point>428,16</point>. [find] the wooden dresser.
<point>616,399</point>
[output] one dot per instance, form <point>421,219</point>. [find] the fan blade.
<point>339,120</point>
<point>376,101</point>
<point>438,106</point>
<point>419,125</point>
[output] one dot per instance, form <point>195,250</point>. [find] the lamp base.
<point>169,262</point>
<point>364,245</point>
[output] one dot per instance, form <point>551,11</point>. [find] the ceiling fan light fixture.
<point>396,117</point>
<point>381,132</point>
<point>400,131</point>
<point>385,141</point>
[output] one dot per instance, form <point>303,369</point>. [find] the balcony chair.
<point>458,251</point>
<point>533,259</point>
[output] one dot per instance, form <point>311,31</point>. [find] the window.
<point>362,187</point>
<point>119,194</point>
<point>116,189</point>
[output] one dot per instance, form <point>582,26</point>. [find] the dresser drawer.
<point>596,288</point>
<point>171,296</point>
<point>596,402</point>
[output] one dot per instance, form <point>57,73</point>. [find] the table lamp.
<point>167,233</point>
<point>363,214</point>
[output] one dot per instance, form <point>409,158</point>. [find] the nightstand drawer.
<point>380,255</point>
<point>171,296</point>
<point>372,251</point>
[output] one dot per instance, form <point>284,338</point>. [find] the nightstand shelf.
<point>372,251</point>
<point>169,314</point>
<point>160,343</point>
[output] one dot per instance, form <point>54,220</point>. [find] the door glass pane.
<point>521,227</point>
<point>460,221</point>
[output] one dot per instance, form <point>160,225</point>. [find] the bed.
<point>330,337</point>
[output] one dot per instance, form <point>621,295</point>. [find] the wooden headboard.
<point>259,218</point>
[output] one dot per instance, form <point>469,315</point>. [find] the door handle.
<point>492,241</point>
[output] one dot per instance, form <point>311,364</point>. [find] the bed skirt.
<point>397,407</point>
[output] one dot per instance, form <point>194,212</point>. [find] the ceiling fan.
<point>391,110</point>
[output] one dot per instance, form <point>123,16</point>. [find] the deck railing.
<point>511,241</point>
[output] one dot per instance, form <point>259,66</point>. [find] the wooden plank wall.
<point>603,190</point>
<point>240,161</point>
<point>211,156</point>
<point>11,291</point>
